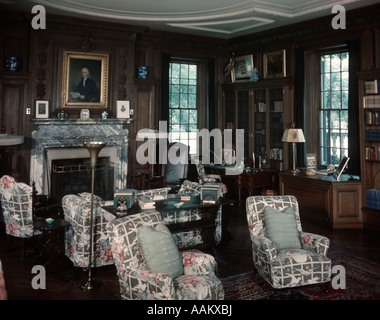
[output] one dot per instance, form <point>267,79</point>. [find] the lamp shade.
<point>293,135</point>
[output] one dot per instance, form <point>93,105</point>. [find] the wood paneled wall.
<point>130,46</point>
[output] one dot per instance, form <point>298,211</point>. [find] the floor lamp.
<point>94,148</point>
<point>293,136</point>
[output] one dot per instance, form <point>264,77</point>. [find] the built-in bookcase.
<point>262,109</point>
<point>369,112</point>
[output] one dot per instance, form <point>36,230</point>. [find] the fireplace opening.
<point>73,176</point>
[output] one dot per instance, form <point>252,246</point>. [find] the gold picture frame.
<point>275,64</point>
<point>93,92</point>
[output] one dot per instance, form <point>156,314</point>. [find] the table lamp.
<point>293,136</point>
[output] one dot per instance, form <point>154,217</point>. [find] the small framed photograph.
<point>311,161</point>
<point>42,109</point>
<point>243,68</point>
<point>275,64</point>
<point>122,111</point>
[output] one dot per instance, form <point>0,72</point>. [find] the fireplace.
<point>56,140</point>
<point>73,176</point>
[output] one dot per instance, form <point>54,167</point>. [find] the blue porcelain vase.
<point>142,72</point>
<point>13,63</point>
<point>255,75</point>
<point>62,115</point>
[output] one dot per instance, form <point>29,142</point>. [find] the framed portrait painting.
<point>243,68</point>
<point>42,109</point>
<point>275,64</point>
<point>85,80</point>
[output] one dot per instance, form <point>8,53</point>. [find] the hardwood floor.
<point>233,257</point>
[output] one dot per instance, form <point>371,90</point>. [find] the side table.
<point>52,243</point>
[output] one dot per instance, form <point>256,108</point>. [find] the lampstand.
<point>293,136</point>
<point>94,148</point>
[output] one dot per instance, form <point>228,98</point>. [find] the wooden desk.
<point>325,200</point>
<point>250,182</point>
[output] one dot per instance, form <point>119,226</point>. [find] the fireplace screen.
<point>73,176</point>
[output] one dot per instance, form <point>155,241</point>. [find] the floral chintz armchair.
<point>292,267</point>
<point>137,282</point>
<point>17,205</point>
<point>77,211</point>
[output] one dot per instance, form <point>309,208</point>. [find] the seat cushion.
<point>195,287</point>
<point>160,251</point>
<point>296,267</point>
<point>281,228</point>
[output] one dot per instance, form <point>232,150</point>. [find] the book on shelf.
<point>372,86</point>
<point>260,107</point>
<point>372,134</point>
<point>277,106</point>
<point>372,117</point>
<point>276,154</point>
<point>372,153</point>
<point>371,101</point>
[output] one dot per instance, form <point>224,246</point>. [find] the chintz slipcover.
<point>195,188</point>
<point>77,211</point>
<point>17,205</point>
<point>198,282</point>
<point>287,267</point>
<point>3,290</point>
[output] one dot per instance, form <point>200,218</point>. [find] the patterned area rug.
<point>362,283</point>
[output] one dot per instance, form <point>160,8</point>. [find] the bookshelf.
<point>263,110</point>
<point>369,115</point>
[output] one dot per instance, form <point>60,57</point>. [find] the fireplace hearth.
<point>64,139</point>
<point>73,176</point>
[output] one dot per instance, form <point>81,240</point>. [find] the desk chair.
<point>173,174</point>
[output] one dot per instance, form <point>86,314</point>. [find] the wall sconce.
<point>293,136</point>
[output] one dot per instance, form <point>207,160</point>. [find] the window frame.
<point>202,104</point>
<point>319,106</point>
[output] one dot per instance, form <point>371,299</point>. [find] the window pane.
<point>333,114</point>
<point>334,119</point>
<point>335,81</point>
<point>344,56</point>
<point>344,80</point>
<point>326,100</point>
<point>344,120</point>
<point>326,81</point>
<point>183,102</point>
<point>335,63</point>
<point>336,101</point>
<point>325,64</point>
<point>193,72</point>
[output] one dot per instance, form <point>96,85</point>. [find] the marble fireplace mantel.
<point>65,139</point>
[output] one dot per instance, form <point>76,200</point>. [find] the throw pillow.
<point>281,228</point>
<point>160,251</point>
